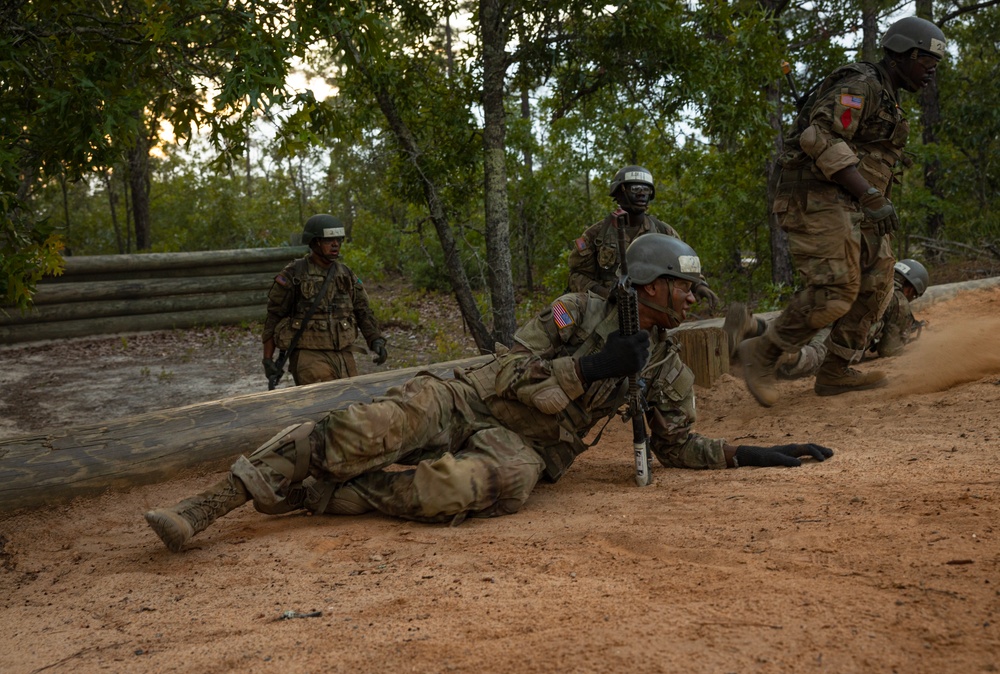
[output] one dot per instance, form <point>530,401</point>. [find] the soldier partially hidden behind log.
<point>894,329</point>
<point>314,311</point>
<point>479,443</point>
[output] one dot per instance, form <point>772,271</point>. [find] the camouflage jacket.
<point>338,317</point>
<point>896,328</point>
<point>593,262</point>
<point>854,119</point>
<point>535,389</point>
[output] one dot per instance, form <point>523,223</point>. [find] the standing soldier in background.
<point>896,328</point>
<point>593,262</point>
<point>833,201</point>
<point>320,288</point>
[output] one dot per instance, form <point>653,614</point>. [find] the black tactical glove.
<point>620,357</point>
<point>779,455</point>
<point>880,211</point>
<point>378,346</point>
<point>703,292</point>
<point>270,368</point>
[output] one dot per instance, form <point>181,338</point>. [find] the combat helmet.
<point>653,255</point>
<point>322,226</point>
<point>914,33</point>
<point>914,272</point>
<point>632,174</point>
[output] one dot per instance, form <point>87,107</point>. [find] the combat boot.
<point>740,324</point>
<point>836,376</point>
<point>175,526</point>
<point>759,356</point>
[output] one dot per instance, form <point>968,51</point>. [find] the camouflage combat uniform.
<point>895,329</point>
<point>845,267</point>
<point>479,443</point>
<point>593,262</point>
<point>325,350</point>
<point>887,337</point>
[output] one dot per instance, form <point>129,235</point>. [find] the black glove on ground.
<point>270,368</point>
<point>378,346</point>
<point>620,357</point>
<point>780,455</point>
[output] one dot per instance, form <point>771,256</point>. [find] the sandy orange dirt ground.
<point>881,559</point>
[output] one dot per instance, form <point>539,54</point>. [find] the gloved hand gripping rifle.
<point>628,324</point>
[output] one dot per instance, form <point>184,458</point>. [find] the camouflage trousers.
<point>464,462</point>
<point>309,366</point>
<point>846,270</point>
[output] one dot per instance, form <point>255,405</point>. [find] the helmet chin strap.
<point>318,251</point>
<point>908,83</point>
<point>674,317</point>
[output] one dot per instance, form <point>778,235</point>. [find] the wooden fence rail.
<point>102,294</point>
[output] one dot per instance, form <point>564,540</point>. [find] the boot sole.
<point>831,390</point>
<point>745,350</point>
<point>735,326</point>
<point>172,529</point>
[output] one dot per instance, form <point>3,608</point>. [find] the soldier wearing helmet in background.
<point>833,200</point>
<point>477,444</point>
<point>896,328</point>
<point>593,262</point>
<point>325,349</point>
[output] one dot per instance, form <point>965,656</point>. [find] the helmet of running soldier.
<point>633,188</point>
<point>915,273</point>
<point>914,33</point>
<point>653,255</point>
<point>322,226</point>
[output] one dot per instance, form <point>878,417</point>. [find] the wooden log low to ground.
<point>60,464</point>
<point>176,265</point>
<point>57,465</point>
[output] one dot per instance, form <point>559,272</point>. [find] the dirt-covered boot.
<point>759,356</point>
<point>836,376</point>
<point>736,325</point>
<point>175,526</point>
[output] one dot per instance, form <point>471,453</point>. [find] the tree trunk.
<point>109,185</point>
<point>869,31</point>
<point>527,225</point>
<point>781,260</point>
<point>435,206</point>
<point>930,117</point>
<point>138,176</point>
<point>493,21</point>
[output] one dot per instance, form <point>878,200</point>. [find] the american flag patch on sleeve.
<point>561,316</point>
<point>852,101</point>
<point>581,243</point>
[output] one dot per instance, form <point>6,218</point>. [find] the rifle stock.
<point>628,324</point>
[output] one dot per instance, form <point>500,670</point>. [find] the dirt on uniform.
<point>884,558</point>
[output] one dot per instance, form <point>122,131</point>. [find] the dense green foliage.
<point>680,88</point>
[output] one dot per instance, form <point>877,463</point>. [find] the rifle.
<point>273,380</point>
<point>285,354</point>
<point>628,324</point>
<point>786,68</point>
